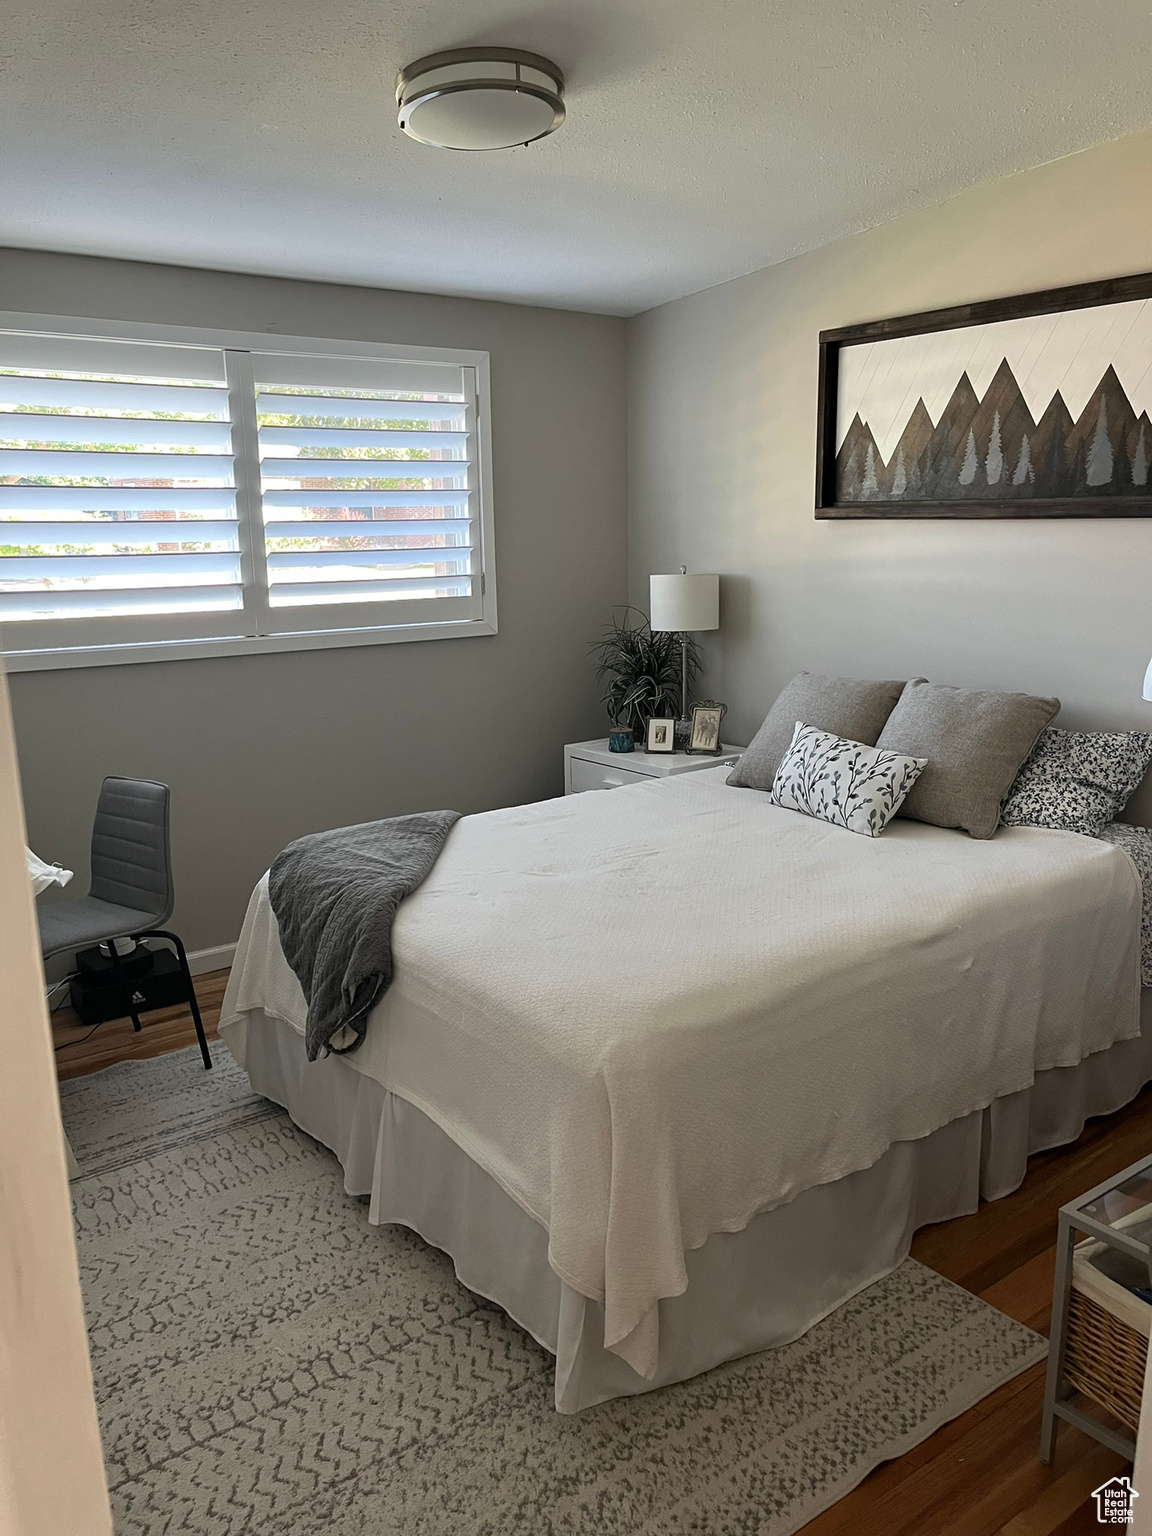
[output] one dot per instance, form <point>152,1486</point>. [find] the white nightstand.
<point>590,765</point>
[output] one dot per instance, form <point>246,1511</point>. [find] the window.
<point>173,497</point>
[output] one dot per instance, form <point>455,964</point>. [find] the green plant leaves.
<point>640,669</point>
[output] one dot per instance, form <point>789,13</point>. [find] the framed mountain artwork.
<point>1036,406</point>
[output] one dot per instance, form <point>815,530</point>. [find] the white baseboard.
<point>218,959</point>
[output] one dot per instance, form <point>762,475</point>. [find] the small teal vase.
<point>621,741</point>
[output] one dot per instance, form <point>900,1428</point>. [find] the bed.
<point>671,1072</point>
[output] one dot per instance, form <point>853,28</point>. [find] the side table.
<point>1099,1330</point>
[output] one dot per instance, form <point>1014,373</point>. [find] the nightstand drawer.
<point>586,775</point>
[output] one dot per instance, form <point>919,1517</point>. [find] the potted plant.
<point>640,670</point>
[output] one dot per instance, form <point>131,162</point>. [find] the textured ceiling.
<point>705,138</point>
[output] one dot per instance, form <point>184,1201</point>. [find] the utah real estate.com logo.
<point>1114,1501</point>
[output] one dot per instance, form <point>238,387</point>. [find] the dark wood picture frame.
<point>1082,296</point>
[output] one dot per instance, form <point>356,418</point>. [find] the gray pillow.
<point>975,742</point>
<point>1077,781</point>
<point>842,706</point>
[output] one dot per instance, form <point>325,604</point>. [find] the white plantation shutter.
<point>117,498</point>
<point>367,476</point>
<point>158,494</point>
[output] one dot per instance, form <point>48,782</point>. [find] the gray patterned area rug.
<point>267,1363</point>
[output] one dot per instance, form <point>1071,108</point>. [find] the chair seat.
<point>87,920</point>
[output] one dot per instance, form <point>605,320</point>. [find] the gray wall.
<point>261,749</point>
<point>722,423</point>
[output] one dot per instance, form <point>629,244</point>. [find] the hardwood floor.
<point>978,1476</point>
<point>79,1050</point>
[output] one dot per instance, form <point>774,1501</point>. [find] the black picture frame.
<point>1052,301</point>
<point>705,707</point>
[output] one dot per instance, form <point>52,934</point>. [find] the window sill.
<point>244,645</point>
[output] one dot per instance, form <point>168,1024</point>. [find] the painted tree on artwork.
<point>1024,471</point>
<point>998,447</point>
<point>1140,461</point>
<point>1099,470</point>
<point>968,468</point>
<point>994,463</point>
<point>870,486</point>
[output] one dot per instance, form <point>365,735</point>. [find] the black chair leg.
<point>178,944</point>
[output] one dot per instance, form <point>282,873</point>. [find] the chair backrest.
<point>131,856</point>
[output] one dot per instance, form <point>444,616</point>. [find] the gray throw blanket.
<point>335,895</point>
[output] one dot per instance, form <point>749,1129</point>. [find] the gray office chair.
<point>131,893</point>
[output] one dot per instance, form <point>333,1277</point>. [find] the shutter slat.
<point>180,568</point>
<point>115,360</point>
<point>101,531</point>
<point>373,375</point>
<point>96,395</point>
<point>335,406</point>
<point>36,499</point>
<point>18,606</point>
<point>64,464</point>
<point>425,554</point>
<point>131,431</point>
<point>363,469</point>
<point>284,594</point>
<point>360,528</point>
<point>359,437</point>
<point>319,499</point>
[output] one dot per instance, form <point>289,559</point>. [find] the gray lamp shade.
<point>685,602</point>
<point>1147,679</point>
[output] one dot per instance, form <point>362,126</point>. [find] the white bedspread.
<point>654,1012</point>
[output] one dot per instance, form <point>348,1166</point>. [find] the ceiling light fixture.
<point>480,98</point>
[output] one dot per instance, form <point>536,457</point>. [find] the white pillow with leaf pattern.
<point>843,782</point>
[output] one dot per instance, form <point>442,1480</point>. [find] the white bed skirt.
<point>748,1290</point>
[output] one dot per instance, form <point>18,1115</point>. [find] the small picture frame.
<point>661,735</point>
<point>705,734</point>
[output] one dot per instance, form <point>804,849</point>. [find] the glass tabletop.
<point>1124,1206</point>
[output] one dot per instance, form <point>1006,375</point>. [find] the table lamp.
<point>684,603</point>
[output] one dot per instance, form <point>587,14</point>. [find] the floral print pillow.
<point>843,782</point>
<point>1077,781</point>
<point>1137,844</point>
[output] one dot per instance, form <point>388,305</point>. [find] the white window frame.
<point>179,647</point>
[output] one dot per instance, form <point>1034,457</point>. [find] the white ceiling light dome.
<point>480,98</point>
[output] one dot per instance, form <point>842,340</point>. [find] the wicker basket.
<point>1106,1338</point>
